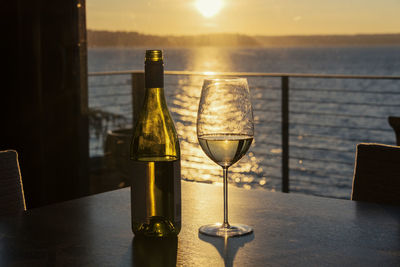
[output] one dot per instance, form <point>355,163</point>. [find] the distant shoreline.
<point>134,39</point>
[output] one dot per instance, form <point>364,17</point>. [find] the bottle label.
<point>154,75</point>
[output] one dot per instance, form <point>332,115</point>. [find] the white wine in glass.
<point>225,130</point>
<point>225,149</point>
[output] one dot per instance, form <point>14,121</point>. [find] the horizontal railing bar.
<point>254,74</point>
<point>293,135</point>
<point>267,154</point>
<point>306,158</point>
<point>273,177</point>
<point>338,184</point>
<point>318,172</point>
<point>107,95</point>
<point>297,100</point>
<point>340,127</point>
<point>274,133</point>
<point>108,85</point>
<point>336,115</point>
<point>301,100</point>
<point>268,110</point>
<point>126,104</point>
<point>260,87</point>
<point>325,137</point>
<point>269,99</point>
<point>323,160</point>
<point>329,126</point>
<point>268,121</point>
<point>315,182</point>
<point>317,148</point>
<point>325,114</point>
<point>322,148</point>
<point>116,72</point>
<point>105,106</point>
<point>345,91</point>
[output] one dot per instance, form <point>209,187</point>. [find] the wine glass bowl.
<point>225,131</point>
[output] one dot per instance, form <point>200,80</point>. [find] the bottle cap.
<point>154,55</point>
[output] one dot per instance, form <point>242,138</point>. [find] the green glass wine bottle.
<point>156,194</point>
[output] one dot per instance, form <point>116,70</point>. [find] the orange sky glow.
<point>252,17</point>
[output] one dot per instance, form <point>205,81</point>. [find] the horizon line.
<point>251,35</point>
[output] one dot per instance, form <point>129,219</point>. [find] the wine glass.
<point>225,130</point>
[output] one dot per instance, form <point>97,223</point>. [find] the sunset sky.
<point>252,17</point>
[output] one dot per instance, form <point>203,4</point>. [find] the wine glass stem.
<point>226,224</point>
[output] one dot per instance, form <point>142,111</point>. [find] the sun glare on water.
<point>209,8</point>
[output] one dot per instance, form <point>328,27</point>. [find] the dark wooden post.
<point>137,169</point>
<point>285,134</point>
<point>138,92</point>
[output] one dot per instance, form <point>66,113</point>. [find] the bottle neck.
<point>154,74</point>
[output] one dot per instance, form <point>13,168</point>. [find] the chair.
<point>377,174</point>
<point>395,123</point>
<point>12,198</point>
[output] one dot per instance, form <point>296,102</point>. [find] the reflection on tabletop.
<point>227,247</point>
<point>154,251</point>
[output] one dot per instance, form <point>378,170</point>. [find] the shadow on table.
<point>227,247</point>
<point>154,251</point>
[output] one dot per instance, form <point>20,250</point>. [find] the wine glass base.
<point>218,230</point>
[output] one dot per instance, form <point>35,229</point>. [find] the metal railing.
<point>137,83</point>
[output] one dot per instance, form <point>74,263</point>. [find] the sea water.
<point>328,117</point>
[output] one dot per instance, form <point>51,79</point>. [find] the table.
<point>289,230</point>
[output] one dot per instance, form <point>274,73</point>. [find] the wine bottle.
<point>156,193</point>
<point>155,251</point>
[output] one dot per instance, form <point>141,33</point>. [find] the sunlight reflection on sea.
<point>195,164</point>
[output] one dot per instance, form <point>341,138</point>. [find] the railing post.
<point>136,169</point>
<point>138,92</point>
<point>285,133</point>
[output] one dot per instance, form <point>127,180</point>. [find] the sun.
<point>209,8</point>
